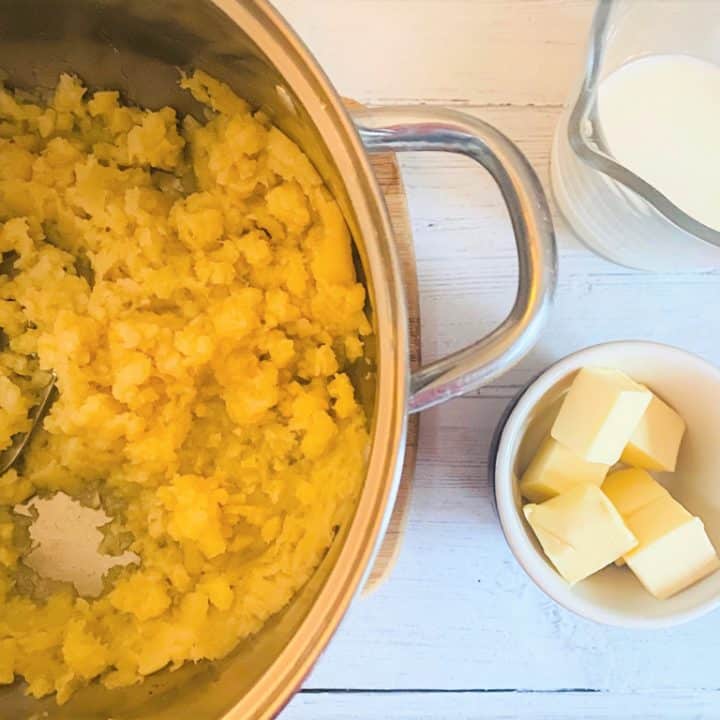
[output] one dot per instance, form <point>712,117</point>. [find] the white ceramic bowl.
<point>689,384</point>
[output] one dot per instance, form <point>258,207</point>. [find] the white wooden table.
<point>459,631</point>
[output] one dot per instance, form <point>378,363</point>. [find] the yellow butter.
<point>632,489</point>
<point>580,531</point>
<point>600,413</point>
<point>674,550</point>
<point>658,518</point>
<point>655,442</point>
<point>554,469</point>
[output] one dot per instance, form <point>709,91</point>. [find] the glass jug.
<point>614,211</point>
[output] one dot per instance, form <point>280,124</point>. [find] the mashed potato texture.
<point>191,285</point>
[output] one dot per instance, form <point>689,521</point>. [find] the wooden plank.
<point>446,51</point>
<point>458,613</point>
<point>506,706</point>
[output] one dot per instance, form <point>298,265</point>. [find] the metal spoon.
<point>11,455</point>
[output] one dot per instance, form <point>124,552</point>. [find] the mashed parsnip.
<point>192,286</point>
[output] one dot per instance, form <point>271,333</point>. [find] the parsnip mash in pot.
<point>191,285</point>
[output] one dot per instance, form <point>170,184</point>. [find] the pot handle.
<point>410,128</point>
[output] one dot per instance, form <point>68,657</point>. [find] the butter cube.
<point>674,550</point>
<point>632,489</point>
<point>554,469</point>
<point>655,442</point>
<point>600,413</point>
<point>580,531</point>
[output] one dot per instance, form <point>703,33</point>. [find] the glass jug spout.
<point>611,199</point>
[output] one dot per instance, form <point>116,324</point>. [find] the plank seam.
<point>447,691</point>
<point>460,103</point>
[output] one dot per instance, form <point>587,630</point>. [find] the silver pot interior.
<point>138,47</point>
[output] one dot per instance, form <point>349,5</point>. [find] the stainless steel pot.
<point>138,46</point>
